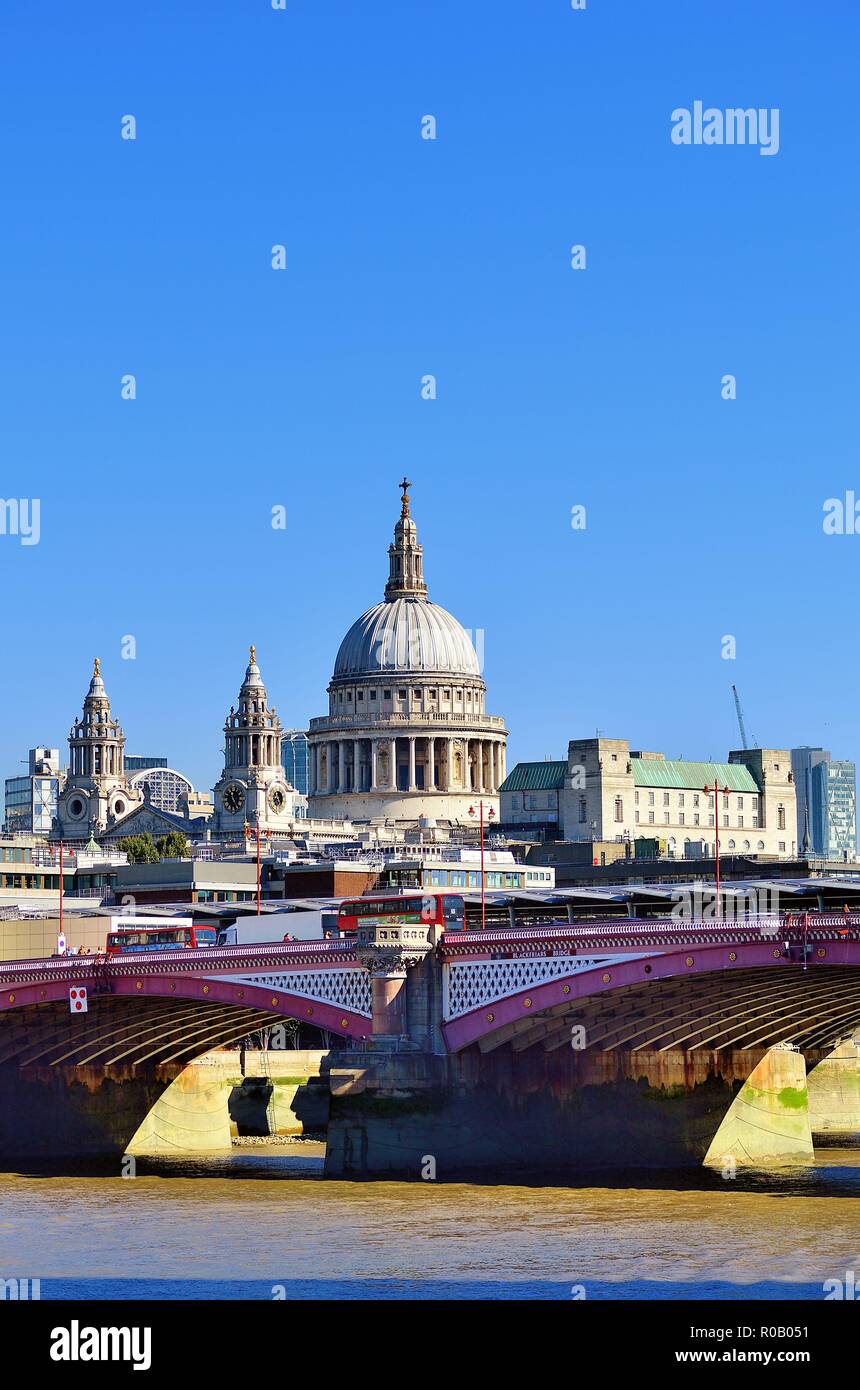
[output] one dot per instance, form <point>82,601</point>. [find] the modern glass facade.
<point>137,762</point>
<point>31,801</point>
<point>294,759</point>
<point>841,810</point>
<point>827,793</point>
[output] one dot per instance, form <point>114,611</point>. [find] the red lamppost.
<point>491,815</point>
<point>248,833</point>
<point>72,855</point>
<point>717,791</point>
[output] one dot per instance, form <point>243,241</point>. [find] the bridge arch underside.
<point>83,1084</point>
<point>672,1069</point>
<point>744,1010</point>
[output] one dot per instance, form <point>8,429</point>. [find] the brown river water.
<point>263,1223</point>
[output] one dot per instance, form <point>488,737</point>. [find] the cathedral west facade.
<point>407,738</point>
<point>99,799</point>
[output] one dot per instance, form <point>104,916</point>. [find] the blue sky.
<point>404,257</point>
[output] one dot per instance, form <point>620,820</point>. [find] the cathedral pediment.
<point>146,818</point>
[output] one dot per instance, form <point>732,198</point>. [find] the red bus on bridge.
<point>163,935</point>
<point>445,910</point>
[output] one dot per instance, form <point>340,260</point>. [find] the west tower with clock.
<point>253,789</point>
<point>96,796</point>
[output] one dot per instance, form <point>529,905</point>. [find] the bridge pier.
<point>551,1115</point>
<point>404,986</point>
<point>768,1122</point>
<point>834,1092</point>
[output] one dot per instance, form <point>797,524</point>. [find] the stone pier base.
<point>768,1122</point>
<point>503,1116</point>
<point>834,1093</point>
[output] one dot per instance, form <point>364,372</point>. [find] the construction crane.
<point>741,719</point>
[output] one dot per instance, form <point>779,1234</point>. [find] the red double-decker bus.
<point>433,909</point>
<point>128,934</point>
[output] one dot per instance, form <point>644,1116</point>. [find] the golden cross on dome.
<point>97,667</point>
<point>405,486</point>
<point>253,654</point>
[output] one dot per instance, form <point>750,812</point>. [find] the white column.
<point>341,765</point>
<point>431,763</point>
<point>467,771</point>
<point>356,764</point>
<point>392,758</point>
<point>491,754</point>
<point>412,786</point>
<point>449,771</point>
<point>330,747</point>
<point>373,748</point>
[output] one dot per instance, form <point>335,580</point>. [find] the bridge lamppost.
<point>717,792</point>
<point>248,833</point>
<point>71,855</point>
<point>491,815</point>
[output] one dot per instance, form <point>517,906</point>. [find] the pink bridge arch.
<point>222,978</point>
<point>808,964</point>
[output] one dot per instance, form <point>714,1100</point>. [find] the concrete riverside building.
<point>606,792</point>
<point>407,735</point>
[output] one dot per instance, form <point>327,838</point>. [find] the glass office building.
<point>826,795</point>
<point>31,800</point>
<point>294,759</point>
<point>841,809</point>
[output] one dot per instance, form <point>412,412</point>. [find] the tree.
<point>173,845</point>
<point>140,849</point>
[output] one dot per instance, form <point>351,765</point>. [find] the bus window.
<point>453,910</point>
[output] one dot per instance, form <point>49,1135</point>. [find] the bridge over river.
<point>564,1047</point>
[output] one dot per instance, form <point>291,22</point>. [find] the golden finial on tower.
<point>405,486</point>
<point>97,667</point>
<point>253,654</point>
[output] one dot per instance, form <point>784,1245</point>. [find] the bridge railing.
<point>791,926</point>
<point>202,959</point>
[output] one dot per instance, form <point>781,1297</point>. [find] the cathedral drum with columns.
<point>407,735</point>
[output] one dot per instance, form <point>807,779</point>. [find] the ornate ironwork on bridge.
<point>347,988</point>
<point>471,985</point>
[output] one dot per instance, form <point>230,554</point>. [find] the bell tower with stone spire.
<point>253,788</point>
<point>96,794</point>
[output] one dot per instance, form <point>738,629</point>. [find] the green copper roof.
<point>535,777</point>
<point>668,772</point>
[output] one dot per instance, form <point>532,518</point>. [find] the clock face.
<point>277,798</point>
<point>234,797</point>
